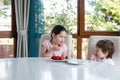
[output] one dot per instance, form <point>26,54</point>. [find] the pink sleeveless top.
<point>49,46</point>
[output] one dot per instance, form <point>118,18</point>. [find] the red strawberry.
<point>57,57</point>
<point>59,44</point>
<point>66,57</point>
<point>53,57</point>
<point>61,58</point>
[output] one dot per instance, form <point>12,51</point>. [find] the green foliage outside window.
<point>2,9</point>
<point>7,2</point>
<point>106,15</point>
<point>64,14</point>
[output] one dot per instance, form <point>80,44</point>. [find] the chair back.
<point>115,39</point>
<point>68,41</point>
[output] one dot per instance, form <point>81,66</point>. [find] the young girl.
<point>55,46</point>
<point>104,52</point>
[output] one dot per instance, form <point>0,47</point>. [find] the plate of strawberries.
<point>59,58</point>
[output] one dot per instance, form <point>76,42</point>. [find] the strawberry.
<point>59,45</point>
<point>57,57</point>
<point>61,58</point>
<point>66,57</point>
<point>53,57</point>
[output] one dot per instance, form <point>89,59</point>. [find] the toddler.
<point>104,52</point>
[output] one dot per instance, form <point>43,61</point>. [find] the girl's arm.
<point>45,52</point>
<point>65,53</point>
<point>48,53</point>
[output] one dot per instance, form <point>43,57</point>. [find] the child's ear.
<point>106,53</point>
<point>53,34</point>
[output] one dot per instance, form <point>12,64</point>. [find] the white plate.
<point>60,60</point>
<point>76,61</point>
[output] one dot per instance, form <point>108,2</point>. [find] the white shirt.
<point>108,61</point>
<point>49,46</point>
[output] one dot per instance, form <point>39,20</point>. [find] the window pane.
<point>5,15</point>
<point>84,47</point>
<point>63,12</point>
<point>102,15</point>
<point>74,48</point>
<point>6,48</point>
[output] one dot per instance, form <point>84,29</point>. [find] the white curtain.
<point>22,17</point>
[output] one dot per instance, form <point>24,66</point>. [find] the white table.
<point>44,69</point>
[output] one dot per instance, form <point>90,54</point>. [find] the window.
<point>7,29</point>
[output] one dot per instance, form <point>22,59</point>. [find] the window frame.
<point>14,28</point>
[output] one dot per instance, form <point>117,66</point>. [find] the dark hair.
<point>57,29</point>
<point>106,45</point>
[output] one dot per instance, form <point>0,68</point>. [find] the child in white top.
<point>55,46</point>
<point>104,51</point>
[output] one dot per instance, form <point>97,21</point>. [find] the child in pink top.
<point>55,46</point>
<point>104,52</point>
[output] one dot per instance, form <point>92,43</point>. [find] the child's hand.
<point>56,47</point>
<point>92,57</point>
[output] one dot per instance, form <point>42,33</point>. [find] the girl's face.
<point>59,38</point>
<point>100,53</point>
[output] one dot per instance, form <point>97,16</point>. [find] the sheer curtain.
<point>22,17</point>
<point>36,26</point>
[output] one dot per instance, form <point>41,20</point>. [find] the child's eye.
<point>61,36</point>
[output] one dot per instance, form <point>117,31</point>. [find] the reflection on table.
<point>46,69</point>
